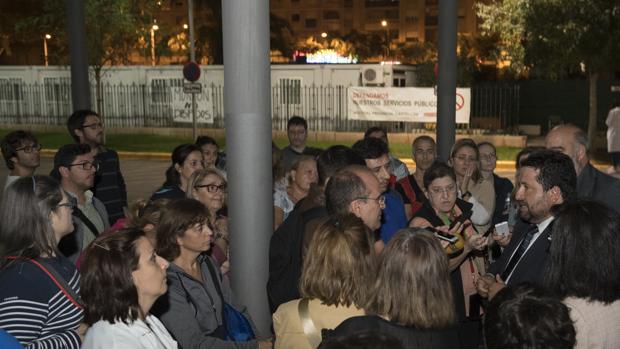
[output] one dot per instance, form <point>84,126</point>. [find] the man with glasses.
<point>75,168</point>
<point>86,127</point>
<point>20,150</point>
<point>355,189</point>
<point>375,153</point>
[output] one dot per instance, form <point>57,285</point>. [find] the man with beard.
<point>86,127</point>
<point>75,168</point>
<point>545,179</point>
<point>20,150</point>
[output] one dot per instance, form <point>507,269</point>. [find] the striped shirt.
<point>109,185</point>
<point>34,310</point>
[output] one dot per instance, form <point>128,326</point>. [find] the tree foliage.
<point>113,28</point>
<point>503,24</point>
<point>578,32</point>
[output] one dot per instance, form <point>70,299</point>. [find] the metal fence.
<point>141,105</point>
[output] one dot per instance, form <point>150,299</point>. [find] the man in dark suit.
<point>591,183</point>
<point>546,178</point>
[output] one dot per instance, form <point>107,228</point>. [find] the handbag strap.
<point>56,279</point>
<point>90,225</point>
<point>216,280</point>
<point>312,334</point>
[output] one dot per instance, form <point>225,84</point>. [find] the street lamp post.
<point>153,29</point>
<point>384,24</point>
<point>45,56</point>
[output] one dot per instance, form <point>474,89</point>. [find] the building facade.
<point>401,20</point>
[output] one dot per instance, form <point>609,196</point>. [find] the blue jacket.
<point>394,217</point>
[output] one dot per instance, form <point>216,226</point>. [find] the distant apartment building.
<point>405,20</point>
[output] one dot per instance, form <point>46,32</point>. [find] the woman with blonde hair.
<point>338,270</point>
<point>302,175</point>
<point>412,296</point>
<point>465,160</point>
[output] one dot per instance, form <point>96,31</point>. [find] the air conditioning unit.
<point>372,76</point>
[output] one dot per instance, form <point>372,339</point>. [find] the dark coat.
<point>532,265</point>
<point>596,185</point>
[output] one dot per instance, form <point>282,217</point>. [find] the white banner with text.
<point>413,104</point>
<point>181,104</point>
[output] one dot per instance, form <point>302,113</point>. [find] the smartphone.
<point>443,236</point>
<point>502,228</point>
<point>461,219</point>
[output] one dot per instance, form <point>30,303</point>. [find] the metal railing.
<point>141,105</point>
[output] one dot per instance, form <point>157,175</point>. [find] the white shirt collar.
<point>544,224</point>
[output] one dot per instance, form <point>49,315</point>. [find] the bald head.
<point>572,141</point>
<point>355,189</point>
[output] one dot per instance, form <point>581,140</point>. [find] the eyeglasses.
<point>68,205</point>
<point>212,188</point>
<point>489,157</point>
<point>449,190</point>
<point>380,199</point>
<point>93,126</point>
<point>30,148</point>
<point>87,165</point>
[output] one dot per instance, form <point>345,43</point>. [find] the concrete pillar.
<point>248,145</point>
<point>446,84</point>
<point>80,87</point>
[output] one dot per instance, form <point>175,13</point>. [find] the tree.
<point>416,52</point>
<point>365,46</point>
<point>503,22</point>
<point>114,29</point>
<point>281,36</point>
<point>568,36</point>
<point>209,35</point>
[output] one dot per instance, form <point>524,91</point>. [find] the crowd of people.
<point>363,254</point>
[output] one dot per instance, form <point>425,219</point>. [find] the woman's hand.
<point>225,267</point>
<point>446,229</point>
<point>476,242</point>
<point>221,225</point>
<point>502,240</point>
<point>466,178</point>
<point>265,344</point>
<point>81,330</point>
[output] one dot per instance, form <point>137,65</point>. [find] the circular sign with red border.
<point>460,101</point>
<point>191,71</point>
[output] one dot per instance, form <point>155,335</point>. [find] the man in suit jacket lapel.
<point>533,261</point>
<point>546,178</point>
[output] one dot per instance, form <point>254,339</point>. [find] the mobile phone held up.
<point>460,219</point>
<point>502,228</point>
<point>443,236</point>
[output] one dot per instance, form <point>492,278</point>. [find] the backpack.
<point>285,256</point>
